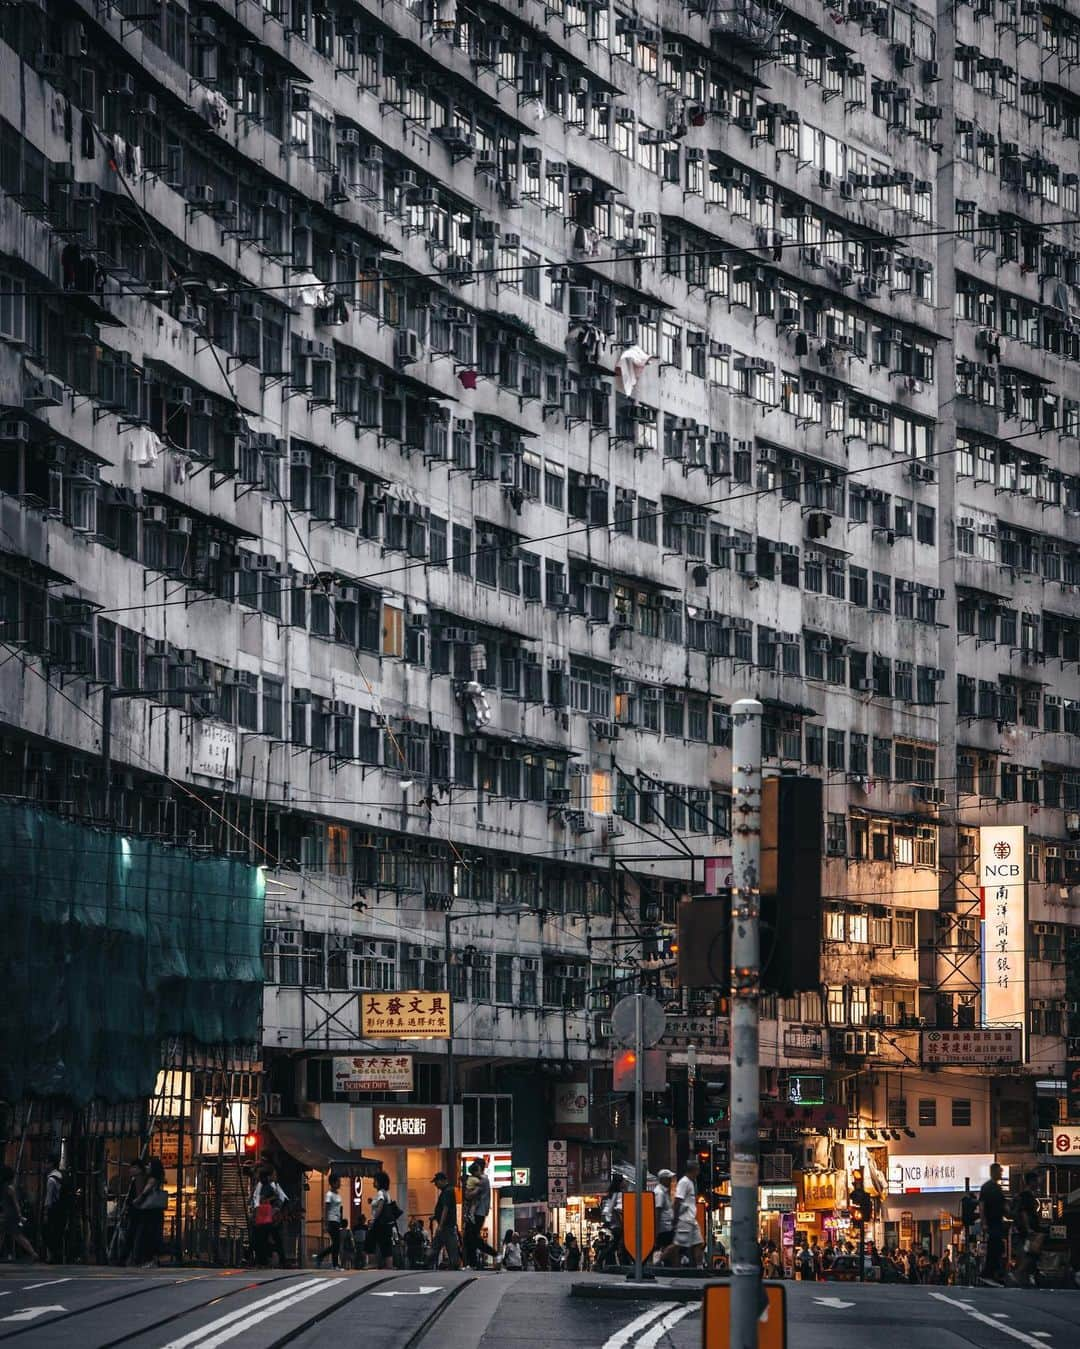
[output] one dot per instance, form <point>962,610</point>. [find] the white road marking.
<point>30,1313</point>
<point>1002,1316</point>
<point>659,1329</point>
<point>625,1335</point>
<point>833,1302</point>
<point>47,1284</point>
<point>411,1292</point>
<point>1042,1334</point>
<point>250,1315</point>
<point>1020,1335</point>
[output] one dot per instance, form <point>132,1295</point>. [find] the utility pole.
<point>639,1111</point>
<point>745,989</point>
<point>454,1177</point>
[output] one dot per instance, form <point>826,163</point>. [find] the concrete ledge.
<point>669,1272</point>
<point>624,1290</point>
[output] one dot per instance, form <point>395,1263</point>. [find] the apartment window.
<point>927,1112</point>
<point>961,1112</point>
<point>487,1121</point>
<point>904,927</point>
<point>462,558</point>
<point>527,989</point>
<point>504,980</point>
<point>835,744</point>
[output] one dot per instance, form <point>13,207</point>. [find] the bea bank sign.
<point>1002,880</point>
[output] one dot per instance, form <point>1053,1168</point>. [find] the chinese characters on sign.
<point>972,1046</point>
<point>407,1126</point>
<point>1004,926</point>
<point>1066,1142</point>
<point>402,1016</point>
<point>803,1042</point>
<point>922,1175</point>
<point>707,1032</point>
<point>374,1072</point>
<point>213,750</point>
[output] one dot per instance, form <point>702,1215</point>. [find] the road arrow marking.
<point>833,1302</point>
<point>31,1313</point>
<point>412,1292</point>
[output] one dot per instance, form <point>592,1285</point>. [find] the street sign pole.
<point>745,988</point>
<point>639,1112</point>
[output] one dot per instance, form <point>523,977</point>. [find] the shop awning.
<point>306,1141</point>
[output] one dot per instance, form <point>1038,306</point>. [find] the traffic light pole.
<point>745,989</point>
<point>639,1111</point>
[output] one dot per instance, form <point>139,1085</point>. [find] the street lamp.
<point>449,918</point>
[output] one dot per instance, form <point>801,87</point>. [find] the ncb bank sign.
<point>1003,883</point>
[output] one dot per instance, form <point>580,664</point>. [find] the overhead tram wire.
<point>881,237</point>
<point>571,532</point>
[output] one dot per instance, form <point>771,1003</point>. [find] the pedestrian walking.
<point>477,1206</point>
<point>332,1220</point>
<point>12,1221</point>
<point>573,1254</point>
<point>384,1215</point>
<point>56,1209</point>
<point>665,1212</point>
<point>151,1205</point>
<point>511,1257</point>
<point>415,1245</point>
<point>359,1236</point>
<point>688,1236</point>
<point>992,1213</point>
<point>267,1216</point>
<point>1029,1234</point>
<point>612,1212</point>
<point>446,1236</point>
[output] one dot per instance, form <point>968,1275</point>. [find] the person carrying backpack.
<point>384,1216</point>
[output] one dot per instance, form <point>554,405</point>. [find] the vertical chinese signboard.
<point>1002,877</point>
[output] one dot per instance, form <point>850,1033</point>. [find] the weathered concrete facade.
<point>342,526</point>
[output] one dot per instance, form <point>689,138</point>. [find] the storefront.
<point>776,1205</point>
<point>588,1179</point>
<point>924,1197</point>
<point>821,1208</point>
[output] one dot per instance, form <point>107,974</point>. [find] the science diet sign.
<point>928,1175</point>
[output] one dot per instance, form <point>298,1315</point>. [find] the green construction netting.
<point>111,945</point>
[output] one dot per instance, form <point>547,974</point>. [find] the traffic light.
<point>705,1168</point>
<point>858,1198</point>
<point>715,1104</point>
<point>969,1209</point>
<point>623,1070</point>
<point>251,1144</point>
<point>791,849</point>
<point>703,943</point>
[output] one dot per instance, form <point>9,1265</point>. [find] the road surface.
<point>74,1308</point>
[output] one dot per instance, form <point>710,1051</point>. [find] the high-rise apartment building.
<point>422,422</point>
